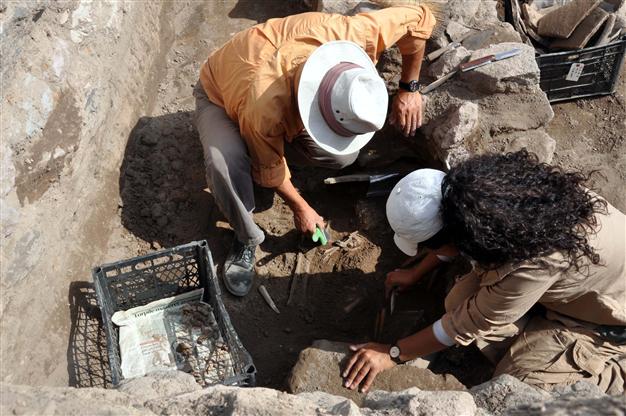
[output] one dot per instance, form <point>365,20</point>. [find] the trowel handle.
<point>320,236</point>
<point>468,66</point>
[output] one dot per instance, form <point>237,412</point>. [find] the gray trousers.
<point>228,165</point>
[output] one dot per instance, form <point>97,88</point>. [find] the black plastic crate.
<point>599,75</point>
<point>135,282</point>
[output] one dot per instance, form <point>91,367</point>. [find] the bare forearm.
<point>428,264</point>
<point>419,344</point>
<point>412,64</point>
<point>291,196</point>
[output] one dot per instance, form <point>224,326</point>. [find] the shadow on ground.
<point>87,356</point>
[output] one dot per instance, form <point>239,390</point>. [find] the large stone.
<point>319,369</point>
<point>458,123</point>
<point>561,22</point>
<point>504,392</point>
<point>346,7</point>
<point>234,401</point>
<point>27,400</point>
<point>610,405</point>
<point>495,34</point>
<point>448,61</point>
<point>423,403</point>
<point>508,75</point>
<point>160,384</point>
<point>477,14</point>
<point>583,32</point>
<point>535,141</point>
<point>457,31</point>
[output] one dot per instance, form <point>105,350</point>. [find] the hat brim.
<point>406,246</point>
<point>319,62</point>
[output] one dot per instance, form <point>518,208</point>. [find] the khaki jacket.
<point>596,294</point>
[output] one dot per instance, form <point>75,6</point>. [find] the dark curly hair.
<point>508,208</point>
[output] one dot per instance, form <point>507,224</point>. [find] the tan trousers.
<point>550,350</point>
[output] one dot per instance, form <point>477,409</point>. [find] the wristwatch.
<point>411,86</point>
<point>394,353</point>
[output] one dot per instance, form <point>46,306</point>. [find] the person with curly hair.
<point>545,300</point>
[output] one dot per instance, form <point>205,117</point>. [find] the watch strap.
<point>408,86</point>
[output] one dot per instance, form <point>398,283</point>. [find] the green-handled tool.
<point>320,236</point>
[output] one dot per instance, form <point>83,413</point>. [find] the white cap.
<point>341,98</point>
<point>414,209</point>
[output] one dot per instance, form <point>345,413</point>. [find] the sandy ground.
<point>163,203</point>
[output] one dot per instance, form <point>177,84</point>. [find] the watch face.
<point>394,352</point>
<point>414,85</point>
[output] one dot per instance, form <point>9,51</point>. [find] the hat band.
<point>325,89</point>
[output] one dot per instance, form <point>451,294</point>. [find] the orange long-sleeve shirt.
<point>253,76</point>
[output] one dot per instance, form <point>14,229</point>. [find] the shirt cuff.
<point>441,335</point>
<point>271,176</point>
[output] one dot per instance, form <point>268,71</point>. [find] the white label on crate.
<point>575,71</point>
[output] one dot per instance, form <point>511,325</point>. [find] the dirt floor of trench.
<point>164,203</point>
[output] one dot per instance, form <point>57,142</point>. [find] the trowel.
<point>375,185</point>
<point>470,66</point>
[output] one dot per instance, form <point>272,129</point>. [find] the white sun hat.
<point>414,209</point>
<point>341,98</point>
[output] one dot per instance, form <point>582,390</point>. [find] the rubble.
<point>175,393</point>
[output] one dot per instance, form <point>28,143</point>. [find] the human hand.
<point>407,112</point>
<point>367,362</point>
<point>401,278</point>
<point>306,219</point>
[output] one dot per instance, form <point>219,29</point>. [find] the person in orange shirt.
<point>302,89</point>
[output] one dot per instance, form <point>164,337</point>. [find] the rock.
<point>18,400</point>
<point>477,14</point>
<point>579,390</point>
<point>508,75</point>
<point>499,32</point>
<point>345,7</point>
<point>160,384</point>
<point>223,400</point>
<point>423,403</point>
<point>504,392</point>
<point>583,32</point>
<point>335,405</point>
<point>448,61</point>
<point>149,139</point>
<point>610,405</point>
<point>561,22</point>
<point>457,31</point>
<point>535,141</point>
<point>459,123</point>
<point>319,369</point>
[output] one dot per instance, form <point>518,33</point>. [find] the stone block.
<point>583,32</point>
<point>508,75</point>
<point>505,392</point>
<point>495,34</point>
<point>457,31</point>
<point>319,369</point>
<point>448,61</point>
<point>456,124</point>
<point>415,402</point>
<point>561,22</point>
<point>160,384</point>
<point>535,141</point>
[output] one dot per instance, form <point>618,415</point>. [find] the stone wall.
<point>75,77</point>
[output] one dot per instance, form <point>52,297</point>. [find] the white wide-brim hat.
<point>356,96</point>
<point>414,209</point>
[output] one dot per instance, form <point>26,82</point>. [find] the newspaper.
<point>179,332</point>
